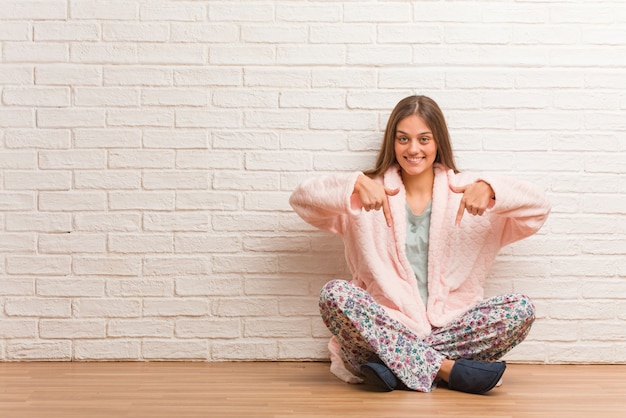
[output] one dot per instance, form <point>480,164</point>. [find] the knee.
<point>524,309</point>
<point>332,290</point>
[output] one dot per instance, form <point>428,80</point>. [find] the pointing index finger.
<point>459,213</point>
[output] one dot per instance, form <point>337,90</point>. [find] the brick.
<point>18,160</point>
<point>277,33</point>
<point>33,9</point>
<point>71,243</point>
<point>32,52</point>
<point>85,350</point>
<point>277,327</point>
<point>214,285</point>
<point>35,96</point>
<point>245,98</point>
<point>17,287</point>
<point>175,139</point>
<point>17,243</point>
<point>242,55</point>
<point>38,307</point>
<point>15,31</point>
<point>171,54</point>
<point>137,76</point>
<point>546,34</point>
<point>18,328</point>
<point>276,119</point>
<point>38,265</point>
<point>242,263</point>
<point>369,100</point>
<point>135,32</point>
<point>41,222</point>
<point>377,12</point>
<point>176,221</point>
<point>303,349</point>
<point>139,328</point>
<point>174,97</point>
<point>208,76</point>
<point>141,200</point>
<point>173,12</point>
<point>81,287</point>
<point>227,180</point>
<point>111,179</point>
<point>322,99</point>
<point>66,31</point>
<point>208,328</point>
<point>177,350</point>
<point>107,138</point>
<point>309,12</point>
<point>207,119</point>
<point>277,77</point>
<point>177,180</point>
<point>145,159</point>
<point>278,161</point>
<point>207,200</point>
<point>411,33</point>
<point>17,118</point>
<point>106,308</point>
<point>65,74</point>
<point>191,266</point>
<point>140,244</point>
<point>346,77</point>
<point>72,201</point>
<point>40,350</point>
<point>312,54</point>
<point>106,97</point>
<point>297,306</point>
<point>235,12</point>
<point>28,180</point>
<point>205,32</point>
<point>208,159</point>
<point>70,118</point>
<point>101,53</point>
<point>246,307</point>
<point>257,222</point>
<point>145,117</point>
<point>136,287</point>
<point>107,222</point>
<point>16,74</point>
<point>203,243</point>
<point>110,10</point>
<point>38,138</point>
<point>266,201</point>
<point>244,350</point>
<point>175,307</point>
<point>106,266</point>
<point>71,328</point>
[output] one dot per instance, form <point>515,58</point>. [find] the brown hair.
<point>427,109</point>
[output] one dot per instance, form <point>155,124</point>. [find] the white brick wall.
<point>148,148</point>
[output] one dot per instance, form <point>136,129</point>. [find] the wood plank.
<point>283,389</point>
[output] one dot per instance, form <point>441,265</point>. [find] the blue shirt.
<point>418,227</point>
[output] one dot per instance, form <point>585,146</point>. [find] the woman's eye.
<point>403,139</point>
<point>424,139</point>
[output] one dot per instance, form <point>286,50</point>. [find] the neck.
<point>420,185</point>
<point>419,190</point>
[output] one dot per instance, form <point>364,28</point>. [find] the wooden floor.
<point>292,390</point>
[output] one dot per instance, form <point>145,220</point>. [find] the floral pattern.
<point>367,333</point>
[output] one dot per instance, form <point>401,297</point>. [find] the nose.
<point>414,146</point>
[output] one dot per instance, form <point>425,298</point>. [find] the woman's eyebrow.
<point>421,133</point>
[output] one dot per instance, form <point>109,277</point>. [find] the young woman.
<point>419,240</point>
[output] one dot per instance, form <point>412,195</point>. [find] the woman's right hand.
<point>374,196</point>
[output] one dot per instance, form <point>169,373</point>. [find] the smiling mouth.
<point>414,159</point>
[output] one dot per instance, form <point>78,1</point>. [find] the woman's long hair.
<point>429,111</point>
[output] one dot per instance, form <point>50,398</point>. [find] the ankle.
<point>445,369</point>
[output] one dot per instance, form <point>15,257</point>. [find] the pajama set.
<point>411,311</point>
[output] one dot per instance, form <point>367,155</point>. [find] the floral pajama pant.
<point>367,333</point>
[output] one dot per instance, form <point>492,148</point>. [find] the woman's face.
<point>414,146</point>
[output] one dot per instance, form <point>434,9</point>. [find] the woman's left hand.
<point>477,197</point>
